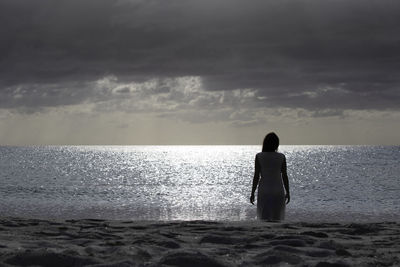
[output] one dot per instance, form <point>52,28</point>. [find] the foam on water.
<point>340,183</point>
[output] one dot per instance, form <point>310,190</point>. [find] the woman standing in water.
<point>271,165</point>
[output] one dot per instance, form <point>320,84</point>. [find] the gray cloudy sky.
<point>199,72</point>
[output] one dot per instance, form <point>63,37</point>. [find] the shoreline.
<point>95,242</point>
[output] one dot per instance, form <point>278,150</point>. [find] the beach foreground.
<point>25,242</point>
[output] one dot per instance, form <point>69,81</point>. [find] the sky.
<point>160,72</point>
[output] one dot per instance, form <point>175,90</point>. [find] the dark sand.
<point>25,242</point>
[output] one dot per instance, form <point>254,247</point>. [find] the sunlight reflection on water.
<point>194,182</point>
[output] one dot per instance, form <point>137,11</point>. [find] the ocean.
<point>327,183</point>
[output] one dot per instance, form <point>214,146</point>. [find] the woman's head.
<point>271,143</point>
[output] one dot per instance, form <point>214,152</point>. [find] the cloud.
<point>133,55</point>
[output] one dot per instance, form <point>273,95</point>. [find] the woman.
<point>271,194</point>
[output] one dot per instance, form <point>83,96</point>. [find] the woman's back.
<point>270,167</point>
<point>271,194</point>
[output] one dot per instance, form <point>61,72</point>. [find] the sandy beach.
<point>25,242</point>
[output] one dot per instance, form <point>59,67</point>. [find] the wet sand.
<point>25,242</point>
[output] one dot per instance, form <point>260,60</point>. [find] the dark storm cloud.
<point>309,54</point>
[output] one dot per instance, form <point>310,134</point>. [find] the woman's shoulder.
<point>281,155</point>
<point>273,154</point>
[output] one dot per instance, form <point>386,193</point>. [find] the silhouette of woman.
<point>271,196</point>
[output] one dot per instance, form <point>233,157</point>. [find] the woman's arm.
<point>285,180</point>
<point>255,180</point>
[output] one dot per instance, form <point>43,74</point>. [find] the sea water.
<point>327,183</point>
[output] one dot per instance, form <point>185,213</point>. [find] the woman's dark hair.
<point>271,143</point>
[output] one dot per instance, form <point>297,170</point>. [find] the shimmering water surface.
<point>332,183</point>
